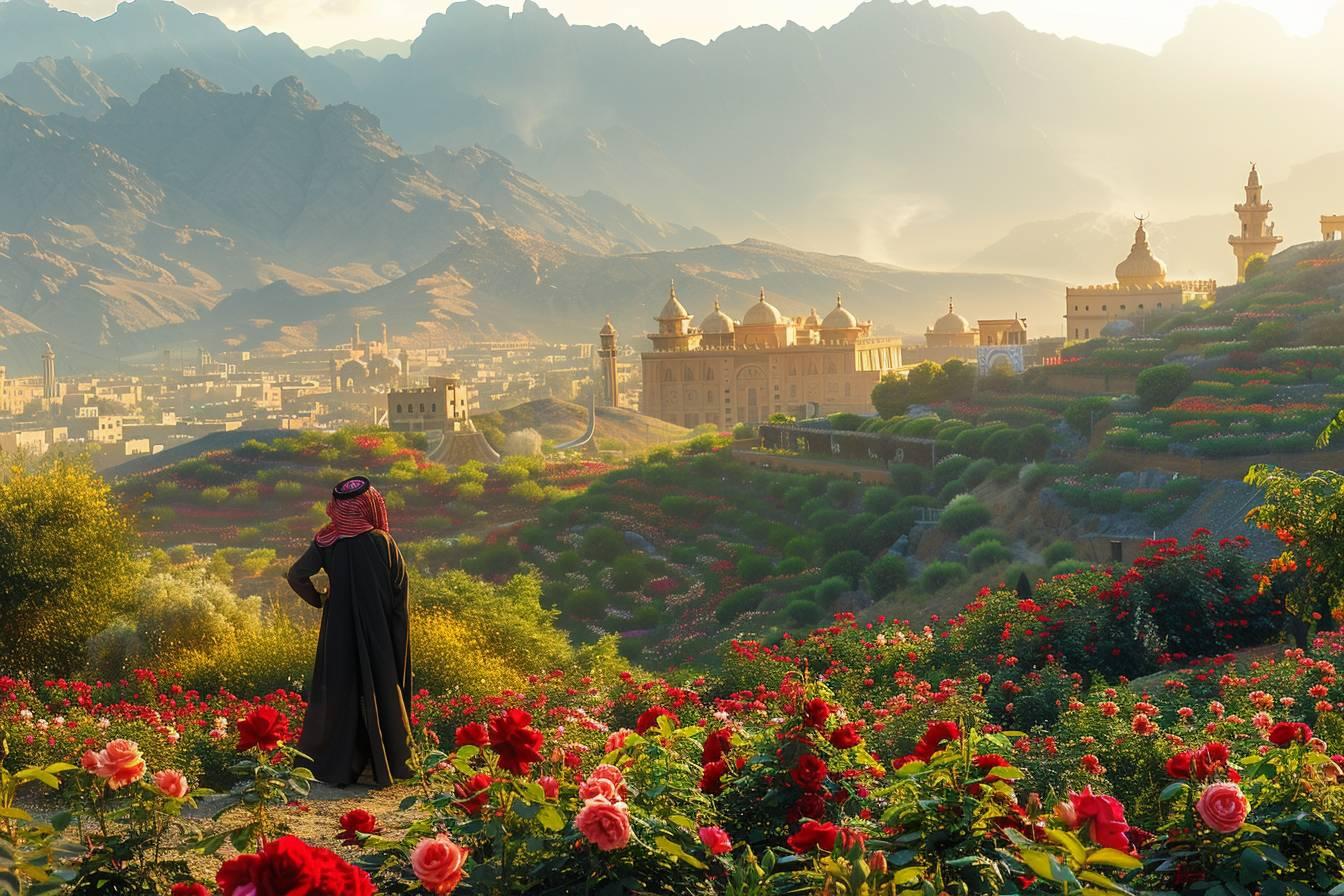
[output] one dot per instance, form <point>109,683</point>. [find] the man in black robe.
<point>359,704</point>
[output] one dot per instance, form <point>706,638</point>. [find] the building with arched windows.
<point>1141,289</point>
<point>442,406</point>
<point>730,371</point>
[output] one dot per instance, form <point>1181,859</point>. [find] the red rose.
<point>237,872</point>
<point>336,877</point>
<point>717,743</point>
<point>809,773</point>
<point>356,822</point>
<point>1211,759</point>
<point>846,737</point>
<point>1178,766</point>
<point>814,835</point>
<point>473,793</point>
<point>711,777</point>
<point>1285,733</point>
<point>649,718</point>
<point>264,728</point>
<point>189,889</point>
<point>550,787</point>
<point>1103,817</point>
<point>937,734</point>
<point>716,840</point>
<point>809,805</point>
<point>815,712</point>
<point>516,742</point>
<point>287,868</point>
<point>472,734</point>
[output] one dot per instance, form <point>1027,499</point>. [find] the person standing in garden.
<point>357,727</point>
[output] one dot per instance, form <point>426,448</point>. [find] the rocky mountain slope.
<point>58,86</point>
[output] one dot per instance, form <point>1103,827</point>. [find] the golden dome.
<point>673,309</point>
<point>951,323</point>
<point>839,318</point>
<point>717,322</point>
<point>762,314</point>
<point>607,328</point>
<point>1140,268</point>
<point>813,321</point>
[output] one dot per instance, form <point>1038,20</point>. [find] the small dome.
<point>673,309</point>
<point>951,323</point>
<point>813,321</point>
<point>1254,179</point>
<point>1140,268</point>
<point>607,328</point>
<point>717,322</point>
<point>762,314</point>
<point>839,318</point>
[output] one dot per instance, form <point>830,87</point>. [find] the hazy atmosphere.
<point>763,448</point>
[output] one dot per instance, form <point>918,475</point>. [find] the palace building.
<point>952,336</point>
<point>1141,289</point>
<point>727,371</point>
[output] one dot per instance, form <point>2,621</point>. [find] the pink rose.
<point>549,786</point>
<point>616,740</point>
<point>716,840</point>
<point>1223,807</point>
<point>172,784</point>
<point>89,762</point>
<point>437,864</point>
<point>119,763</point>
<point>604,823</point>
<point>599,788</point>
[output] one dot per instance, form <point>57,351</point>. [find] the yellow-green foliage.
<point>66,564</point>
<point>467,634</point>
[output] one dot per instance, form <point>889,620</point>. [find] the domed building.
<point>952,336</point>
<point>1141,289</point>
<point>730,371</point>
<point>951,331</point>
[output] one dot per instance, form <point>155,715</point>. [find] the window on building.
<point>398,409</point>
<point>1087,332</point>
<point>1103,307</point>
<point>422,407</point>
<point>434,408</point>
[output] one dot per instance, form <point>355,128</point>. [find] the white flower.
<point>58,720</point>
<point>104,724</point>
<point>221,723</point>
<point>26,715</point>
<point>172,736</point>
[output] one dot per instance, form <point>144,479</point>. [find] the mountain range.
<point>264,219</point>
<point>906,132</point>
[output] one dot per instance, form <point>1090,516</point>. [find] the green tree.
<point>959,380</point>
<point>1256,264</point>
<point>69,565</point>
<point>1160,386</point>
<point>891,395</point>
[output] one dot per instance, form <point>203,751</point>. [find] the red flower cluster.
<point>1285,733</point>
<point>1102,816</point>
<point>515,740</point>
<point>290,867</point>
<point>264,728</point>
<point>357,822</point>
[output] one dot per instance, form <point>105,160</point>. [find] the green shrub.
<point>848,565</point>
<point>215,494</point>
<point>802,612</point>
<point>848,422</point>
<point>880,500</point>
<point>830,589</point>
<point>790,566</point>
<point>941,574</point>
<point>980,536</point>
<point>886,574</point>
<point>753,567</point>
<point>804,547</point>
<point>1064,567</point>
<point>1160,386</point>
<point>1057,551</point>
<point>629,573</point>
<point>602,544</point>
<point>964,515</point>
<point>586,603</point>
<point>908,479</point>
<point>950,468</point>
<point>842,492</point>
<point>987,554</point>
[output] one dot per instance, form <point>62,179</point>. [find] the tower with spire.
<point>606,354</point>
<point>1257,232</point>
<point>674,326</point>
<point>49,373</point>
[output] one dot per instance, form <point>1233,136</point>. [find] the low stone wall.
<point>864,473</point>
<point>845,445</point>
<point>1061,379</point>
<point>1116,460</point>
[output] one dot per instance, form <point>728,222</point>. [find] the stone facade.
<point>1141,289</point>
<point>726,372</point>
<point>442,406</point>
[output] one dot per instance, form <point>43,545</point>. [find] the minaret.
<point>355,341</point>
<point>405,359</point>
<point>387,346</point>
<point>1257,237</point>
<point>48,373</point>
<point>606,353</point>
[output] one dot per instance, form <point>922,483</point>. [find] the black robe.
<point>359,702</point>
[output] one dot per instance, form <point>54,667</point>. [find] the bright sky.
<point>1142,24</point>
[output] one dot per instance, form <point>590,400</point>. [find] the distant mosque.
<point>727,371</point>
<point>1141,288</point>
<point>989,343</point>
<point>368,364</point>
